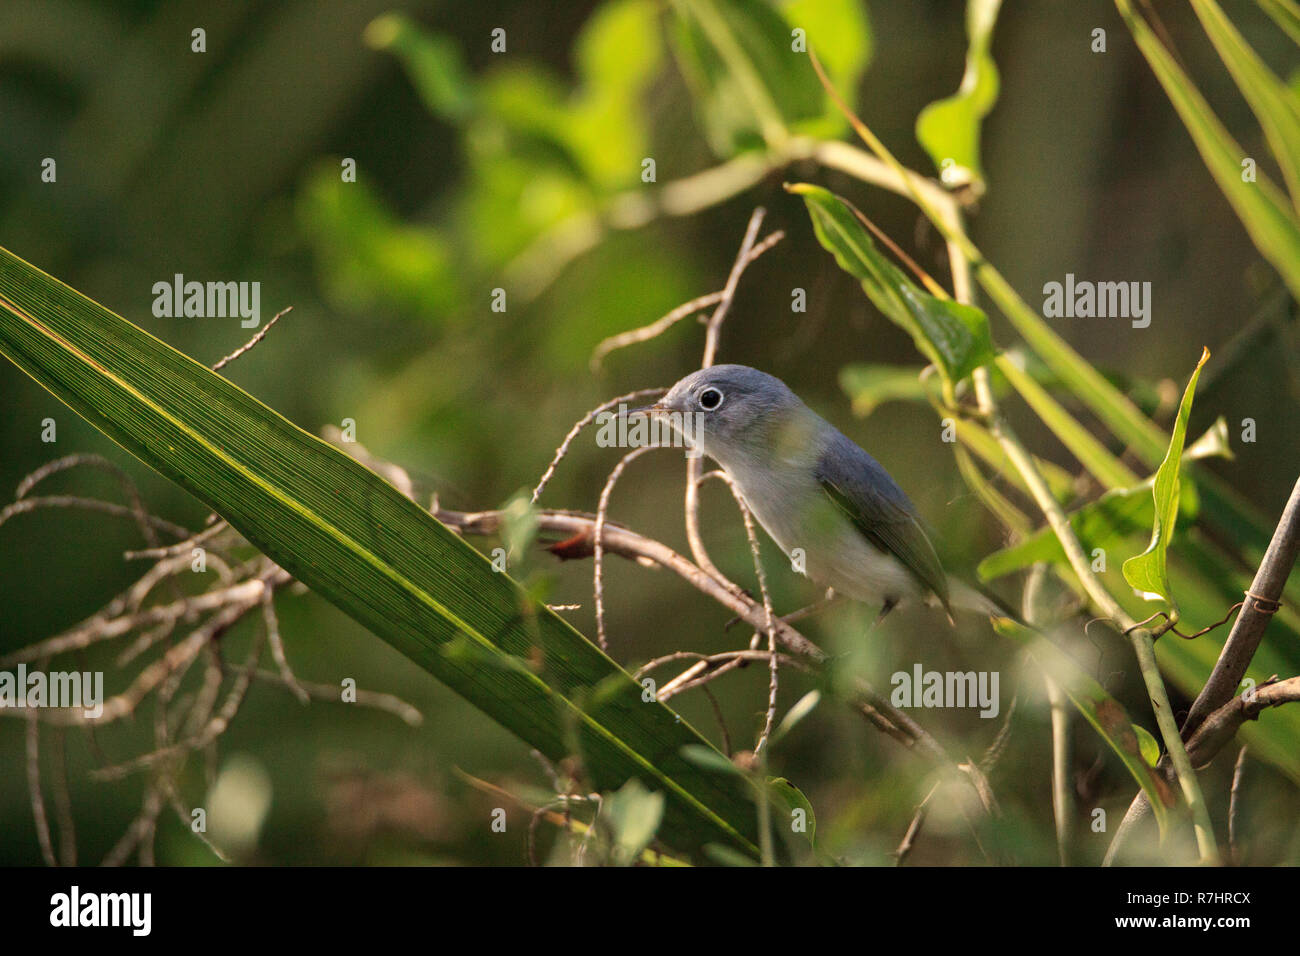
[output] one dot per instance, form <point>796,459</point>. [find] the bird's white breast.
<point>793,508</point>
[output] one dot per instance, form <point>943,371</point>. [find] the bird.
<point>829,505</point>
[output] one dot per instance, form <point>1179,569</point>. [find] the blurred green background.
<point>471,168</point>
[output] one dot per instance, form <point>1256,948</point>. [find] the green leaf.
<point>710,759</point>
<point>1262,208</point>
<point>634,815</point>
<point>1213,444</point>
<point>432,61</point>
<point>1149,746</point>
<point>518,525</point>
<point>804,706</point>
<point>1106,715</point>
<point>949,129</point>
<point>748,81</point>
<point>839,33</point>
<point>618,55</point>
<point>349,535</point>
<point>724,855</point>
<point>1285,13</point>
<point>869,386</point>
<point>787,799</point>
<point>1273,103</point>
<point>1098,524</point>
<point>1092,454</point>
<point>953,336</point>
<point>1147,572</point>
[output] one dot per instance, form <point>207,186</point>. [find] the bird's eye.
<point>710,399</point>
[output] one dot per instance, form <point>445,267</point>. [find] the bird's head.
<point>732,411</point>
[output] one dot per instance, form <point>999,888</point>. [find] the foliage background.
<point>224,166</point>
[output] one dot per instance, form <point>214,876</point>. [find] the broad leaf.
<point>634,815</point>
<point>748,68</point>
<point>747,80</point>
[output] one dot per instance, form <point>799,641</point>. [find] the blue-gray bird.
<point>830,506</point>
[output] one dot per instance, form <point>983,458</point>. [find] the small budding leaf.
<point>1147,744</point>
<point>1148,573</point>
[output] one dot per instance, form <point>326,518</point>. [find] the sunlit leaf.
<point>432,61</point>
<point>1147,572</point>
<point>804,706</point>
<point>839,33</point>
<point>634,815</point>
<point>1273,103</point>
<point>1148,744</point>
<point>1213,444</point>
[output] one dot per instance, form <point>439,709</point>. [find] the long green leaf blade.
<point>1274,104</point>
<point>355,540</point>
<point>1260,205</point>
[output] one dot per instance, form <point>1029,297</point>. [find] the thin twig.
<point>34,787</point>
<point>755,553</point>
<point>598,539</point>
<point>712,333</point>
<point>582,423</point>
<point>261,334</point>
<point>1234,804</point>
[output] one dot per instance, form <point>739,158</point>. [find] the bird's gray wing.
<point>866,494</point>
